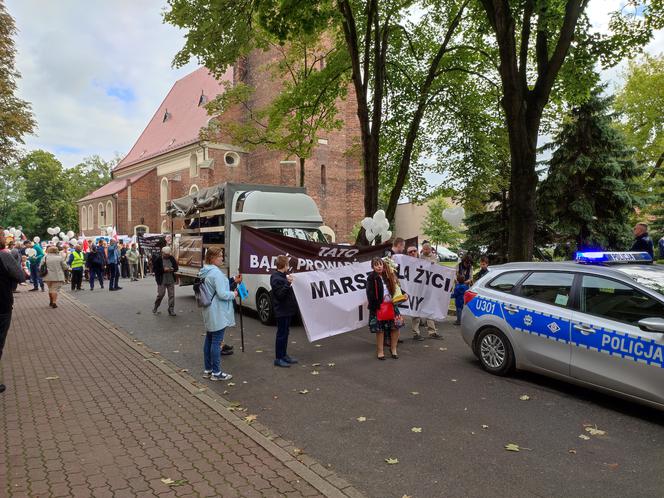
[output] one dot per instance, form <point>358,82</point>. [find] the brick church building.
<point>169,160</point>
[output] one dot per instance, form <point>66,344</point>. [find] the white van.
<point>210,221</point>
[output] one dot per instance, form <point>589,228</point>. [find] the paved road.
<point>466,416</point>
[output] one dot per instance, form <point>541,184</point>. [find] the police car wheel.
<point>495,351</point>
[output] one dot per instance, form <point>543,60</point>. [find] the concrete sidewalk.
<point>90,412</point>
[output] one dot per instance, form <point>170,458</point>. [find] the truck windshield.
<point>310,234</point>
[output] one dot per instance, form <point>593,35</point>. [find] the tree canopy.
<point>16,119</point>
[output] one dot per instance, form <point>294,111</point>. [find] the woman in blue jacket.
<point>219,315</point>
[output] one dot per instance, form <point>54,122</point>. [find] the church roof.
<point>179,119</point>
<point>114,186</point>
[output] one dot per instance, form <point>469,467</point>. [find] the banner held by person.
<point>334,301</point>
<point>259,250</point>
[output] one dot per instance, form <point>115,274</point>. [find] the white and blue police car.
<point>598,321</point>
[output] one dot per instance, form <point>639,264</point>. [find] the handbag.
<point>43,268</point>
<point>385,312</point>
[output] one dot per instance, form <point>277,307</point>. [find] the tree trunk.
<point>302,160</point>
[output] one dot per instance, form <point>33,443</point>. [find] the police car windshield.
<point>650,276</point>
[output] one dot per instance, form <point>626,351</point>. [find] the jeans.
<point>161,291</point>
<point>96,271</point>
<point>212,351</point>
<point>76,278</point>
<point>35,278</point>
<point>5,321</point>
<point>281,343</point>
<point>459,312</point>
<point>113,275</point>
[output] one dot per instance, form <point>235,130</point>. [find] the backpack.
<point>201,293</point>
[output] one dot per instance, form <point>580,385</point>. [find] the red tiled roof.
<point>185,121</point>
<point>114,186</point>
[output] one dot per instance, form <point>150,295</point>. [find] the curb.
<point>324,480</point>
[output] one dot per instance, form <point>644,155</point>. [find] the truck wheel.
<point>495,352</point>
<point>264,308</point>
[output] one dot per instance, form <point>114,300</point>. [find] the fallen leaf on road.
<point>250,418</point>
<point>245,382</point>
<point>415,429</point>
<point>454,380</point>
<point>184,370</point>
<point>176,351</point>
<point>442,349</point>
<point>54,377</point>
<point>414,393</point>
<point>594,431</point>
<point>484,426</point>
<point>331,364</point>
<point>314,372</point>
<point>426,345</point>
<point>170,482</point>
<point>304,391</point>
<point>298,451</point>
<point>391,461</point>
<point>315,364</point>
<point>584,437</point>
<point>512,447</point>
<point>361,419</point>
<point>406,496</point>
<point>572,451</point>
<point>612,466</point>
<point>166,480</point>
<point>524,397</point>
<point>230,384</point>
<point>318,345</point>
<point>225,392</point>
<point>259,350</point>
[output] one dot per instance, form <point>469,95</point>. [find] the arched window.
<point>323,175</point>
<point>193,166</point>
<point>193,189</point>
<point>84,218</point>
<point>163,194</point>
<point>100,215</point>
<point>109,213</point>
<point>91,221</point>
<point>164,227</point>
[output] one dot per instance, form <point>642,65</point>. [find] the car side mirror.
<point>652,324</point>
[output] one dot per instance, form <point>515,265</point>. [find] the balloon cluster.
<point>378,226</point>
<point>15,233</point>
<point>60,236</point>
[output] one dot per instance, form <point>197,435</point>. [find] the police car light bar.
<point>606,258</point>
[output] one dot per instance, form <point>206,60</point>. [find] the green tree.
<point>435,227</point>
<point>536,55</point>
<point>592,185</point>
<point>313,78</point>
<point>87,176</point>
<point>16,117</point>
<point>15,209</point>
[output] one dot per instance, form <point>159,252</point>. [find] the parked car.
<point>598,322</point>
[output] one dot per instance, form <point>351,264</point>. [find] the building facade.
<point>170,160</point>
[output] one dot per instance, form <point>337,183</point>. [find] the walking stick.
<point>241,324</point>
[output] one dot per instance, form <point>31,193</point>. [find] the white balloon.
<point>109,230</point>
<point>370,234</point>
<point>12,230</point>
<point>64,238</point>
<point>30,252</point>
<point>62,235</point>
<point>57,230</point>
<point>379,215</point>
<point>36,240</point>
<point>70,234</point>
<point>55,239</point>
<point>6,232</point>
<point>454,216</point>
<point>386,235</point>
<point>367,223</point>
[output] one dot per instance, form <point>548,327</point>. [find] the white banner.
<point>334,301</point>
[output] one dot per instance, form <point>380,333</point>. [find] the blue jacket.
<point>220,314</point>
<point>459,291</point>
<point>113,254</point>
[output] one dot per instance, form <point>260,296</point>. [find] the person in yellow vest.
<point>76,262</point>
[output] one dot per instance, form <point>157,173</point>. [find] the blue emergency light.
<point>611,258</point>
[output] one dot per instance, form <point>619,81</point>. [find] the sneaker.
<point>418,337</point>
<point>155,311</point>
<point>226,352</point>
<point>227,347</point>
<point>207,374</point>
<point>435,335</point>
<point>221,376</point>
<point>172,313</point>
<point>281,363</point>
<point>290,360</point>
<point>118,288</point>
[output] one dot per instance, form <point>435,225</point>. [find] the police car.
<point>598,321</point>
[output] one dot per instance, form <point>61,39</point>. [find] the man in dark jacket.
<point>642,242</point>
<point>10,274</point>
<point>95,264</point>
<point>164,268</point>
<point>285,308</point>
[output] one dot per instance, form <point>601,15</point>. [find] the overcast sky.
<point>95,71</point>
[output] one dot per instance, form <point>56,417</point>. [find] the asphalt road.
<point>466,416</point>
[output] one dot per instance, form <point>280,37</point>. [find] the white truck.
<point>215,217</point>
